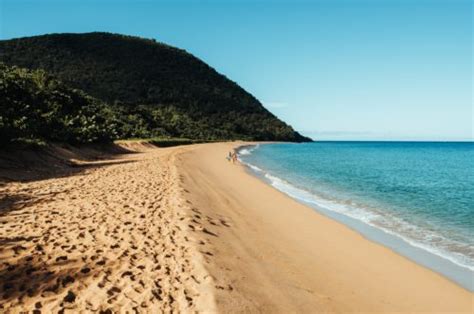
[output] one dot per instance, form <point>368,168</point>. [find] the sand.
<point>112,238</point>
<point>277,255</point>
<point>183,230</point>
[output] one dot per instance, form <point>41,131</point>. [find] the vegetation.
<point>164,142</point>
<point>36,107</point>
<point>135,88</point>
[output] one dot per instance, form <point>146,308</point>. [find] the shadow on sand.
<point>26,270</point>
<point>52,161</point>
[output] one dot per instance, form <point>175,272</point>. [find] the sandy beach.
<point>182,229</point>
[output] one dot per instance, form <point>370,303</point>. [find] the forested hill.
<point>156,89</point>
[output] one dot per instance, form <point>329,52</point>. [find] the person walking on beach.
<point>232,157</point>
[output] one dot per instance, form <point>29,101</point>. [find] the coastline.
<point>460,274</point>
<point>182,229</point>
<point>279,255</point>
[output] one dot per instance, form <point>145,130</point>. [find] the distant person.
<point>229,157</point>
<point>234,157</point>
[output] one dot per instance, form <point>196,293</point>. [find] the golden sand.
<point>182,229</point>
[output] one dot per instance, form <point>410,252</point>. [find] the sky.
<point>334,70</point>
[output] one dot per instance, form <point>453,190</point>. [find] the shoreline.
<point>279,255</point>
<point>459,274</point>
<point>181,229</point>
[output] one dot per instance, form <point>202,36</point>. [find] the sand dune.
<point>183,230</point>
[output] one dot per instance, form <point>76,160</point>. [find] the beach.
<point>111,236</point>
<point>183,229</point>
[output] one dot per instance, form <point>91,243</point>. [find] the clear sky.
<point>347,69</point>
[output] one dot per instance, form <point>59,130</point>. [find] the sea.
<point>416,198</point>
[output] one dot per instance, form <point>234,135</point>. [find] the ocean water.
<point>419,192</point>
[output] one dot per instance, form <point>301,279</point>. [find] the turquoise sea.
<point>418,193</point>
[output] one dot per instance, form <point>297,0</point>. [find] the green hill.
<point>152,88</point>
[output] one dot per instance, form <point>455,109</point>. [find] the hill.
<point>156,89</point>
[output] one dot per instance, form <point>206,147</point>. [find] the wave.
<point>247,150</point>
<point>457,252</point>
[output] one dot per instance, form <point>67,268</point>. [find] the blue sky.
<point>333,69</point>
